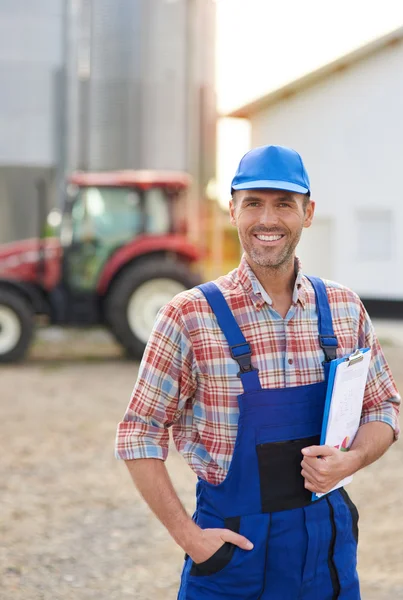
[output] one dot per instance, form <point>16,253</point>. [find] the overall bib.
<point>303,550</point>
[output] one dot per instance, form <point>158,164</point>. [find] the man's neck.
<point>278,283</point>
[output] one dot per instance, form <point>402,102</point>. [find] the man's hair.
<point>306,200</point>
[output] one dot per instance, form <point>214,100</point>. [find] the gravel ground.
<point>71,523</point>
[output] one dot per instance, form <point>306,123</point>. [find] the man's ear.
<point>232,213</point>
<point>309,213</point>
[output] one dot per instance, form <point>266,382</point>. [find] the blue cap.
<point>272,167</point>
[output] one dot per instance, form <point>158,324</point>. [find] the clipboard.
<point>343,403</point>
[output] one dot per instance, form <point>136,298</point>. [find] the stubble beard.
<point>273,262</point>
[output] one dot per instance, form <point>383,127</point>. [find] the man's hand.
<point>208,541</point>
<point>323,467</point>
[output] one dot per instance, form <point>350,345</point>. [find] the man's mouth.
<point>269,238</point>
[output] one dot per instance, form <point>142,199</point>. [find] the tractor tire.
<point>138,294</point>
<point>16,326</point>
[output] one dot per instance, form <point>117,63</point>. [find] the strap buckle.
<point>329,345</point>
<point>243,358</point>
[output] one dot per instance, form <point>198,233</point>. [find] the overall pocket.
<point>240,574</point>
<point>221,558</point>
<point>281,483</point>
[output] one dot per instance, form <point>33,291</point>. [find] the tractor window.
<point>156,208</point>
<point>103,219</point>
<point>110,215</point>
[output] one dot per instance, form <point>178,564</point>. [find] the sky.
<point>264,44</point>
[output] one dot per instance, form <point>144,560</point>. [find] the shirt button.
<point>290,361</point>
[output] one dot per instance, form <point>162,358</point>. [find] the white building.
<point>346,120</point>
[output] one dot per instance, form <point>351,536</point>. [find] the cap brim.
<point>271,185</point>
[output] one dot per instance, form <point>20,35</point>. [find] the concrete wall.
<point>349,130</point>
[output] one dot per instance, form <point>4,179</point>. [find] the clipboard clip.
<point>355,357</point>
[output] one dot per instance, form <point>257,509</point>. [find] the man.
<point>238,369</point>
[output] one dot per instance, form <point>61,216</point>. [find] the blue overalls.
<point>303,550</point>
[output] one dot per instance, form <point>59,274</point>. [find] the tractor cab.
<point>106,211</point>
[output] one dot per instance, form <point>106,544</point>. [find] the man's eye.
<point>284,204</point>
<point>253,204</point>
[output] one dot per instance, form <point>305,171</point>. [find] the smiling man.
<point>238,369</point>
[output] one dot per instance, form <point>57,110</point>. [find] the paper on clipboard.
<point>343,405</point>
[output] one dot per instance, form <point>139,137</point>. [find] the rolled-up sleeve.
<point>166,381</point>
<point>381,398</point>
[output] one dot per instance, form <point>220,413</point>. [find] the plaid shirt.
<point>188,380</point>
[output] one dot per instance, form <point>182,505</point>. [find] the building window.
<point>375,235</point>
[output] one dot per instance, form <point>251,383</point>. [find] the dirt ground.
<point>71,523</point>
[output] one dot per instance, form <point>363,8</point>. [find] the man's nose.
<point>269,216</point>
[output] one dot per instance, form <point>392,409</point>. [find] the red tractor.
<point>122,253</point>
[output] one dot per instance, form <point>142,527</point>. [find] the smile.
<point>269,238</point>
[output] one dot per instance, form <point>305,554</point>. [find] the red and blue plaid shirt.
<point>188,380</point>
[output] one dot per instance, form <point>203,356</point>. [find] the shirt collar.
<point>258,294</point>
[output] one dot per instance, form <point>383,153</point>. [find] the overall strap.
<point>239,347</point>
<point>327,339</point>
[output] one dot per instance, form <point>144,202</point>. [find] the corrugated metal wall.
<point>30,65</point>
<point>30,57</point>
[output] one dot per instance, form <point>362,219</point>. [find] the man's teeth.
<point>269,238</point>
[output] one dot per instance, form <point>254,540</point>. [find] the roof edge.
<point>340,64</point>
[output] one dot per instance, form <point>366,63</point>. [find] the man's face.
<point>270,224</point>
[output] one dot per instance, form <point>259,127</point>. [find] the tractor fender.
<point>28,291</point>
<point>143,247</point>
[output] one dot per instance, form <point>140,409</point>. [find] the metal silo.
<point>141,86</point>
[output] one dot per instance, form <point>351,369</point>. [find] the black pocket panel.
<point>221,558</point>
<point>281,482</point>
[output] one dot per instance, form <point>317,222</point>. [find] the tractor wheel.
<point>138,294</point>
<point>16,326</point>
